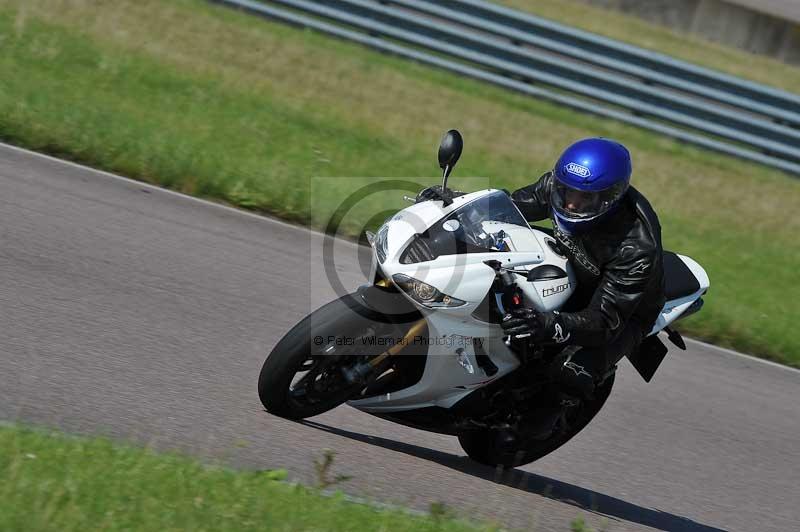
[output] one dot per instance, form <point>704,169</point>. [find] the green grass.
<point>53,482</point>
<point>219,104</point>
<point>683,45</point>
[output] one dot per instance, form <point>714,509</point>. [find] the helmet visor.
<point>582,204</point>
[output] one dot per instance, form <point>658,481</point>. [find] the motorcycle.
<point>421,345</point>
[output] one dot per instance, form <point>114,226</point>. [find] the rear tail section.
<point>685,283</point>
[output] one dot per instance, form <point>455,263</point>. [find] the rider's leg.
<point>580,369</point>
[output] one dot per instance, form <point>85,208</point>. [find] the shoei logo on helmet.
<point>577,169</point>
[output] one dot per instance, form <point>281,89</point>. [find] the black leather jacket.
<point>618,265</point>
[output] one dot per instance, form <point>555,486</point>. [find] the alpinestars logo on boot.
<point>576,369</point>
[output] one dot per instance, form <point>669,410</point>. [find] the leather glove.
<point>435,193</point>
<point>522,321</point>
<point>543,327</point>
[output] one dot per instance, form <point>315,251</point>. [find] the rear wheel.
<point>484,446</point>
<point>303,375</point>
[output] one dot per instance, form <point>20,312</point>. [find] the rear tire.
<point>300,351</point>
<point>481,445</point>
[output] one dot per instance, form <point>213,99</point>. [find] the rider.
<point>612,237</point>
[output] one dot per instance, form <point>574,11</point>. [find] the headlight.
<point>425,294</point>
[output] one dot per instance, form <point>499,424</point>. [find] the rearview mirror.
<point>449,151</point>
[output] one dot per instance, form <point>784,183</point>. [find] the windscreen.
<point>480,226</point>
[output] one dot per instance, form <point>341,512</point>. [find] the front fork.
<point>362,372</point>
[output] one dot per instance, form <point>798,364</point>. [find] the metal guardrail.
<point>525,53</point>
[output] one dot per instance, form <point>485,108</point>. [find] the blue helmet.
<point>589,180</point>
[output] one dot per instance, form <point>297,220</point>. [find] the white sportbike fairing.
<point>436,275</point>
<point>452,370</point>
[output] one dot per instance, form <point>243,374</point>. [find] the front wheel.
<point>482,445</point>
<point>303,375</point>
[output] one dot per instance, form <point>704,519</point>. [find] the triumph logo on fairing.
<point>547,292</point>
<point>579,170</point>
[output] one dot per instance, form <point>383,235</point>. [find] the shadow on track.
<point>532,483</point>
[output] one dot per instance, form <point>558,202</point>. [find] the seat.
<point>679,280</point>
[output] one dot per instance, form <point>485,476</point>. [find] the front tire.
<point>302,377</point>
<point>482,445</point>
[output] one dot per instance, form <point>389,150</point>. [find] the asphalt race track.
<point>138,313</point>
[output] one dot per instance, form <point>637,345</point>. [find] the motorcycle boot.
<point>579,370</point>
<point>578,375</point>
